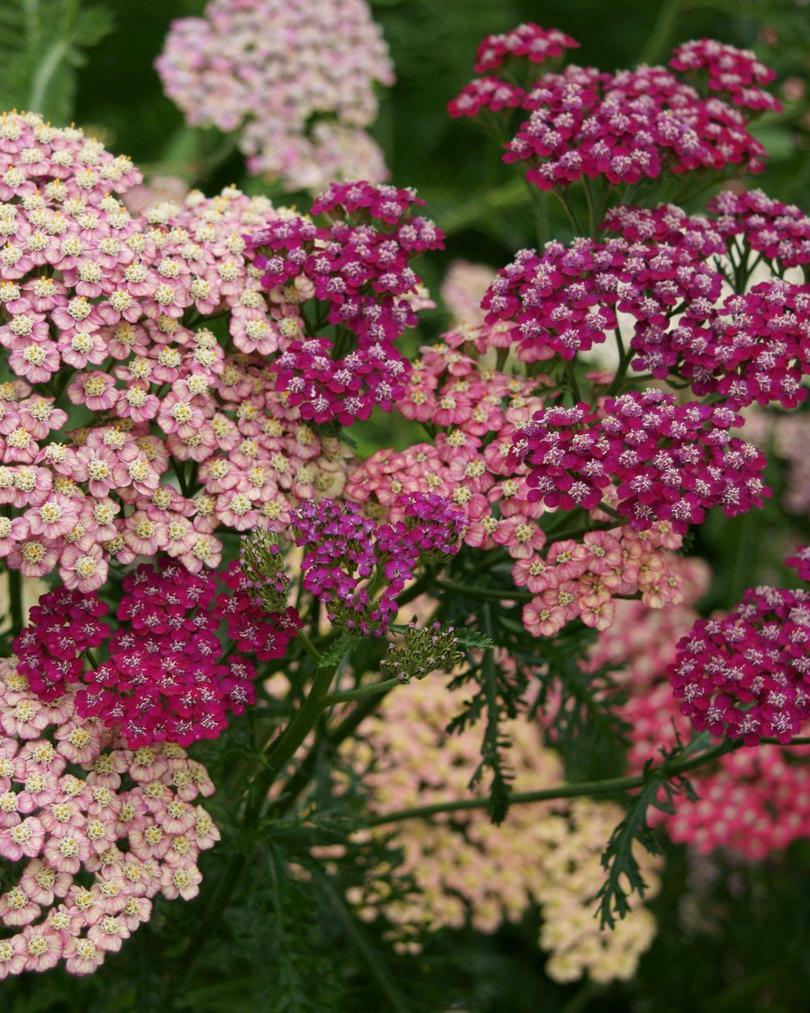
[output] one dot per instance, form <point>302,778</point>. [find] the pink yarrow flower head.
<point>746,674</point>
<point>666,461</point>
<point>520,51</point>
<point>735,73</point>
<point>626,127</point>
<point>299,101</point>
<point>357,270</point>
<point>159,674</point>
<point>85,852</point>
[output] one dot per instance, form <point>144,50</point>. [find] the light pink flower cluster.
<point>467,870</point>
<point>475,415</point>
<point>90,832</point>
<point>750,802</point>
<point>108,313</point>
<point>294,78</point>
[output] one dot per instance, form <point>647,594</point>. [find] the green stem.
<point>274,759</point>
<point>360,692</point>
<point>662,31</point>
<point>15,601</point>
<point>607,786</point>
<point>571,376</point>
<point>485,593</point>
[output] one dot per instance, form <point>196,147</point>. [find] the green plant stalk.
<point>15,601</point>
<point>608,786</point>
<point>273,762</point>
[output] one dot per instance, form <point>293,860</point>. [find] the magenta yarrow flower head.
<point>735,73</point>
<point>90,832</point>
<point>750,802</point>
<point>527,44</point>
<point>626,127</point>
<point>357,269</point>
<point>746,674</point>
<point>528,41</point>
<point>164,675</point>
<point>567,299</point>
<point>780,232</point>
<point>800,562</point>
<point>358,567</point>
<point>667,461</point>
<point>295,80</point>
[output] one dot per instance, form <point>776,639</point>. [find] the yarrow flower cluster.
<point>108,313</point>
<point>736,73</point>
<point>360,277</point>
<point>166,676</point>
<point>358,567</point>
<point>653,286</point>
<point>480,414</point>
<point>745,675</point>
<point>667,461</point>
<point>750,802</point>
<point>294,78</point>
<point>778,231</point>
<point>627,127</point>
<point>567,299</point>
<point>464,868</point>
<point>90,832</point>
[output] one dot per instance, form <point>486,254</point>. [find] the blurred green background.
<point>731,938</point>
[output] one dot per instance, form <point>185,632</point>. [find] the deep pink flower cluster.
<point>90,833</point>
<point>166,676</point>
<point>750,802</point>
<point>668,461</point>
<point>477,414</point>
<point>528,41</point>
<point>627,127</point>
<point>800,562</point>
<point>359,567</point>
<point>486,93</point>
<point>360,277</point>
<point>692,235</point>
<point>780,232</point>
<point>736,73</point>
<point>746,675</point>
<point>566,299</point>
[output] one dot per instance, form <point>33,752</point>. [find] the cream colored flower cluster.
<point>465,869</point>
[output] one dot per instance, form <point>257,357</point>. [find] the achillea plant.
<point>419,599</point>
